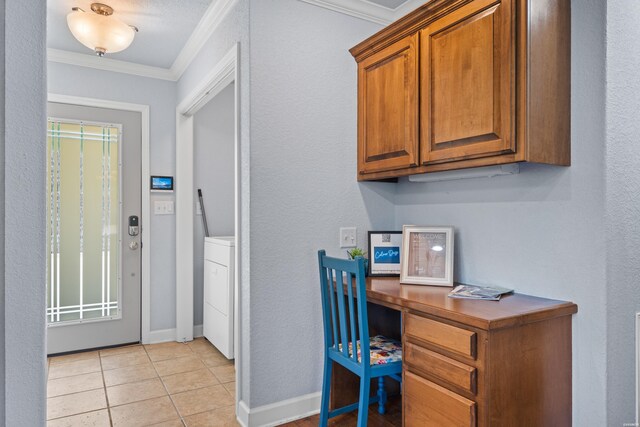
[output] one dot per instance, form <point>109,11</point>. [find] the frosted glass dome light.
<point>100,31</point>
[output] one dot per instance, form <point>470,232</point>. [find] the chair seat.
<point>383,350</point>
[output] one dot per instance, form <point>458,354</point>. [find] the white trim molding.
<point>205,28</point>
<point>280,412</point>
<point>146,197</point>
<point>108,64</point>
<point>367,10</point>
<point>169,335</point>
<point>357,8</point>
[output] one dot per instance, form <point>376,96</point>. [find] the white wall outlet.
<point>348,237</point>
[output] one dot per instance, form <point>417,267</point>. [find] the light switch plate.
<point>348,237</point>
<point>163,207</point>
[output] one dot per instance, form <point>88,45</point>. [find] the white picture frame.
<point>427,255</point>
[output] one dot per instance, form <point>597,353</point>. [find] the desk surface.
<point>511,310</point>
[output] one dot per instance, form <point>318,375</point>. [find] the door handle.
<point>133,245</point>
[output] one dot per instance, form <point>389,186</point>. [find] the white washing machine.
<point>219,290</point>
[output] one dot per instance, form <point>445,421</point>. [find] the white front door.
<point>94,257</point>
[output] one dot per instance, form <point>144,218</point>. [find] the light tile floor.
<point>168,384</point>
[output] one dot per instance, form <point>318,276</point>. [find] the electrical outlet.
<point>348,237</point>
<point>198,209</point>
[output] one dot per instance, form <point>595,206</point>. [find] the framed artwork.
<point>427,255</point>
<point>384,253</point>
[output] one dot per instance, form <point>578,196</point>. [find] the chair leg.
<point>326,387</point>
<point>363,403</point>
<point>382,396</point>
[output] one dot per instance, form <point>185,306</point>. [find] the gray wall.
<point>622,206</point>
<point>303,183</point>
<point>542,232</point>
<point>213,170</point>
<point>2,212</point>
<point>23,108</point>
<point>160,95</point>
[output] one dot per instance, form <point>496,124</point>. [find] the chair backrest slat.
<point>352,320</point>
<point>345,322</point>
<point>344,339</point>
<point>334,309</point>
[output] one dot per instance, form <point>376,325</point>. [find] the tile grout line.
<point>165,388</point>
<point>106,395</point>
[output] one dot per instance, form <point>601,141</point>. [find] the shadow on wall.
<point>534,183</point>
<point>379,199</point>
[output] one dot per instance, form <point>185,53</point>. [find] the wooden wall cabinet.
<point>465,83</point>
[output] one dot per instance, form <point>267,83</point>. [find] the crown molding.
<point>210,21</point>
<point>408,7</point>
<point>108,64</point>
<point>368,11</point>
<point>357,8</point>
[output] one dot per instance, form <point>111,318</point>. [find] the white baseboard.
<point>280,412</point>
<point>197,331</point>
<point>166,335</point>
<point>242,414</point>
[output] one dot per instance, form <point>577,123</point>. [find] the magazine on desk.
<point>491,293</point>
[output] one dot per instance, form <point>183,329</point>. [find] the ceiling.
<point>164,27</point>
<point>172,31</point>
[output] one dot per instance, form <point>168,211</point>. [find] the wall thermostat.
<point>161,183</point>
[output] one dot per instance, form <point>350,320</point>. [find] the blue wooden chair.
<point>345,328</point>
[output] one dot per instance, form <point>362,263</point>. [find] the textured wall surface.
<point>303,183</point>
<point>213,170</point>
<point>542,232</point>
<point>24,215</point>
<point>160,96</point>
<point>2,211</point>
<point>622,206</point>
<point>234,29</point>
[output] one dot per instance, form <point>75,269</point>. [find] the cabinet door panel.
<point>388,108</point>
<point>468,97</point>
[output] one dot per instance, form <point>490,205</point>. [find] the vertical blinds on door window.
<point>83,208</point>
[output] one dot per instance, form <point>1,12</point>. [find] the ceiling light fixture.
<point>100,31</point>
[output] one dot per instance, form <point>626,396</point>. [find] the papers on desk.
<point>491,293</point>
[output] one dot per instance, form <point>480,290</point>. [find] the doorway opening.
<point>222,85</point>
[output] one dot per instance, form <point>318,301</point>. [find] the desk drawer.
<point>426,404</point>
<point>442,367</point>
<point>445,336</point>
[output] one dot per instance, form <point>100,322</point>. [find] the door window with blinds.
<point>83,213</point>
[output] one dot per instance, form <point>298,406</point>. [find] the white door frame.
<point>146,197</point>
<point>226,71</point>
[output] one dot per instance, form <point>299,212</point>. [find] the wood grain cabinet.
<point>465,83</point>
<point>458,375</point>
<point>388,93</point>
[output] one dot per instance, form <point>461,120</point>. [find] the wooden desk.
<point>478,363</point>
